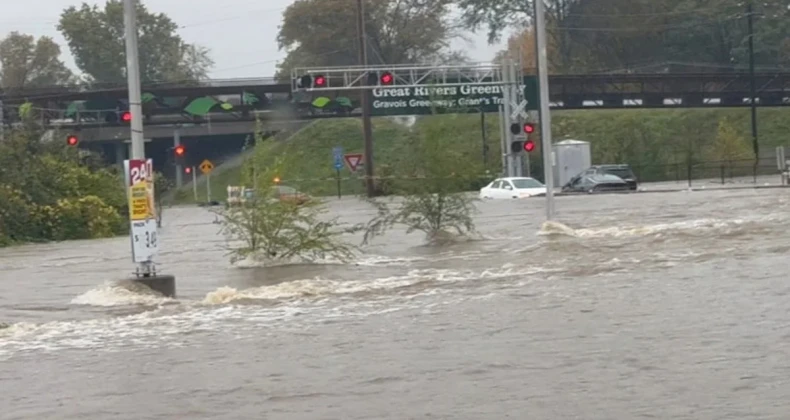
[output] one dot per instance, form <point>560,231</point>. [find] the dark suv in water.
<point>622,171</point>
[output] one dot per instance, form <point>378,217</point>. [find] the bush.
<point>431,203</point>
<point>271,229</point>
<point>48,193</point>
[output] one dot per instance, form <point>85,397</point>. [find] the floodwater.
<point>645,306</point>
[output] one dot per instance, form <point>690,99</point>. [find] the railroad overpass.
<point>220,108</point>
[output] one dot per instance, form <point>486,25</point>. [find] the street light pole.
<point>367,130</point>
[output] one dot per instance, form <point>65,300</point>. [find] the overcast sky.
<point>240,33</point>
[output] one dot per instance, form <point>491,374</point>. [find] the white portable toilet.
<point>571,157</point>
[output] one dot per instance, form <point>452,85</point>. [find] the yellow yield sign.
<point>206,167</point>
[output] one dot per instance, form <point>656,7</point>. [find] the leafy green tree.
<point>431,201</point>
<point>643,35</point>
<point>26,62</point>
<point>324,32</point>
<point>729,146</point>
<point>267,228</point>
<point>162,186</point>
<point>96,39</point>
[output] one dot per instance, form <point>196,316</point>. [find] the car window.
<point>507,184</point>
<point>496,184</point>
<point>527,183</point>
<point>620,172</point>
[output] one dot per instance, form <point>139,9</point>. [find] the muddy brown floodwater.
<point>648,306</point>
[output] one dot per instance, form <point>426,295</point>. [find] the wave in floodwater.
<point>121,293</point>
<point>227,308</point>
<point>696,227</point>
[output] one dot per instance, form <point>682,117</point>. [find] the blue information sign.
<point>337,153</point>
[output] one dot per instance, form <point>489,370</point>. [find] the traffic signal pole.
<point>545,116</point>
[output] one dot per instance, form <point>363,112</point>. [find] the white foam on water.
<point>121,293</point>
<point>700,226</point>
<point>302,301</point>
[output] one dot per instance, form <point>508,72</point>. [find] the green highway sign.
<point>428,99</point>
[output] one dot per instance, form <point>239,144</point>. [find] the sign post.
<point>206,167</point>
<point>337,153</point>
<point>142,211</point>
<point>194,184</point>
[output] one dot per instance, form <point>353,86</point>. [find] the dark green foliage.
<point>48,193</point>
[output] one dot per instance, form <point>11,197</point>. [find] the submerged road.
<point>639,306</point>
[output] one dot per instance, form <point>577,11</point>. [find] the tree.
<point>324,32</point>
<point>521,45</point>
<point>267,228</point>
<point>96,39</point>
<point>643,35</point>
<point>431,203</point>
<point>29,63</point>
<point>162,186</point>
<point>729,146</point>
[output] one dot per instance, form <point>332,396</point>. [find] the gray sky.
<point>240,33</point>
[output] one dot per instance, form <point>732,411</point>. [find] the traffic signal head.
<point>179,150</point>
<point>319,81</point>
<point>305,81</point>
<point>515,129</point>
<point>386,78</point>
<point>529,146</point>
<point>529,128</point>
<point>72,140</point>
<point>126,116</point>
<point>187,170</point>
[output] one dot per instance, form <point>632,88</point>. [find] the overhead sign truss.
<point>370,77</point>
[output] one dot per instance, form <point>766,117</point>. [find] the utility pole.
<point>135,106</point>
<point>367,130</point>
<point>545,116</point>
<point>752,87</point>
<point>2,122</point>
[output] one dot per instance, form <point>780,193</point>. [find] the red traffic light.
<point>126,116</point>
<point>319,81</point>
<point>179,150</point>
<point>188,170</point>
<point>529,128</point>
<point>529,146</point>
<point>72,140</point>
<point>386,78</point>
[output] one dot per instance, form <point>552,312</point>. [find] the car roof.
<point>613,166</point>
<point>513,178</point>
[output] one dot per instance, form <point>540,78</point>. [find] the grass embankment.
<point>657,143</point>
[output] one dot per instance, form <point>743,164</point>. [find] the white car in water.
<point>514,187</point>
